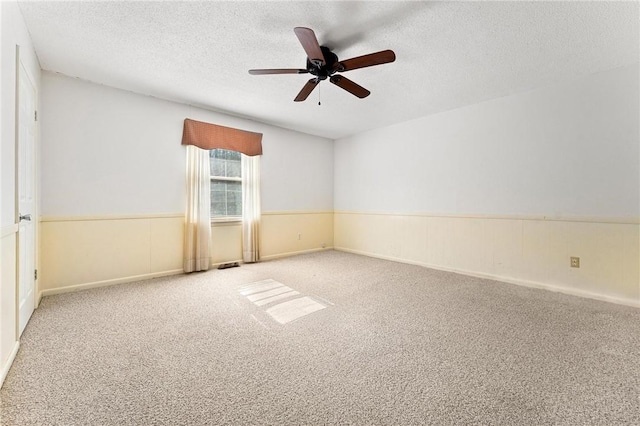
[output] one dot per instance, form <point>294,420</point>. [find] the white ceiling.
<point>449,54</point>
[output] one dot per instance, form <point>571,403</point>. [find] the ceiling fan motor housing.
<point>329,68</point>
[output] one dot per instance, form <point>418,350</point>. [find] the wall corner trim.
<point>8,230</point>
<point>7,366</point>
<point>109,217</point>
<point>296,212</point>
<point>105,283</point>
<point>294,253</point>
<point>590,219</point>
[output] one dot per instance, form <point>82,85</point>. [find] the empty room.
<point>310,212</point>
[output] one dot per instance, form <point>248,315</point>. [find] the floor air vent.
<point>228,265</point>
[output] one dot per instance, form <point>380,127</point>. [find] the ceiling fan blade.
<point>378,58</point>
<point>310,44</point>
<point>307,89</point>
<point>278,71</point>
<point>349,86</point>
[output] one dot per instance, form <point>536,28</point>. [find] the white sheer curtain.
<point>197,235</point>
<point>250,208</point>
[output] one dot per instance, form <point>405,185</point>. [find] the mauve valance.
<point>211,136</point>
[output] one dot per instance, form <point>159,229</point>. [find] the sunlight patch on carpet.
<point>269,291</point>
<point>293,309</point>
<point>266,294</point>
<point>260,286</point>
<point>282,296</point>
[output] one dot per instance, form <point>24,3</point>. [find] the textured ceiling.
<point>449,54</point>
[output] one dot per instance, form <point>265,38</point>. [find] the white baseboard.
<point>95,284</point>
<point>523,283</point>
<point>9,230</point>
<point>7,366</point>
<point>215,265</point>
<point>85,286</point>
<point>293,253</point>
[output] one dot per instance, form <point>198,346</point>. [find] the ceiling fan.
<point>323,64</point>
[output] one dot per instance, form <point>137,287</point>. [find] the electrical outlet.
<point>575,262</point>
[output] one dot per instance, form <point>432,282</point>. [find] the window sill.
<point>226,220</point>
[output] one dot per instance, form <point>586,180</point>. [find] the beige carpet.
<point>382,343</point>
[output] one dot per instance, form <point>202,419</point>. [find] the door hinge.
<point>35,115</point>
<point>35,274</point>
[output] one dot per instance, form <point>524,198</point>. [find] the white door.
<point>26,197</point>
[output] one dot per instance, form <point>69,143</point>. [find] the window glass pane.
<point>218,198</point>
<point>225,163</point>
<point>216,166</point>
<point>234,198</point>
<point>234,168</point>
<point>226,198</point>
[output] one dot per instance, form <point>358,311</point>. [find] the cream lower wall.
<point>527,251</point>
<point>84,252</point>
<point>287,233</point>
<point>226,243</point>
<point>281,234</point>
<point>81,252</point>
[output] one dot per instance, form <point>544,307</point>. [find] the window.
<point>226,184</point>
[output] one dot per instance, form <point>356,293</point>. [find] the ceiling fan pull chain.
<point>319,95</point>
